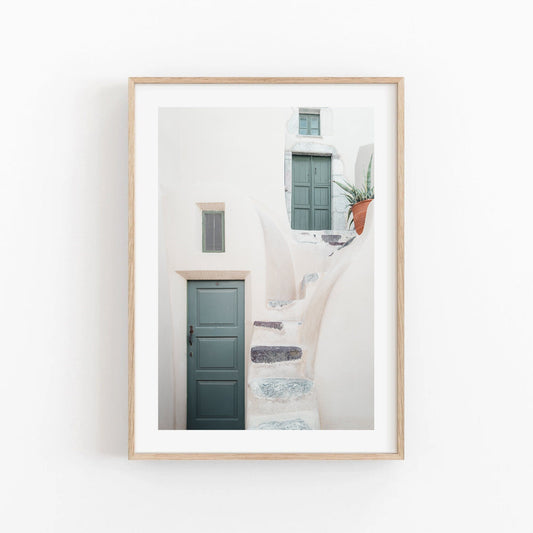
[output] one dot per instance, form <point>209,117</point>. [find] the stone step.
<point>294,424</point>
<point>288,369</point>
<point>276,325</point>
<point>280,304</point>
<point>332,238</point>
<point>260,404</point>
<point>304,419</point>
<point>307,280</point>
<point>269,325</point>
<point>284,310</point>
<point>274,354</point>
<point>281,389</point>
<point>288,333</point>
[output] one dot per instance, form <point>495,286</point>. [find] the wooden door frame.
<point>398,82</point>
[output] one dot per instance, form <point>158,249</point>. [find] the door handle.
<point>191,331</point>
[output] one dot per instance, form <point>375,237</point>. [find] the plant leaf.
<point>369,173</point>
<point>345,186</point>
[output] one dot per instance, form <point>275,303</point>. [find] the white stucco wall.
<point>167,409</point>
<point>344,365</point>
<point>236,157</point>
<point>206,155</point>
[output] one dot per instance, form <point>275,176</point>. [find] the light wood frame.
<point>399,82</point>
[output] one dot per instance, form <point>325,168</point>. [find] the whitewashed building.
<point>253,228</point>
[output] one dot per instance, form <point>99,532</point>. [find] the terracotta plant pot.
<point>359,215</point>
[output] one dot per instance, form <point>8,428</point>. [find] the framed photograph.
<point>266,268</point>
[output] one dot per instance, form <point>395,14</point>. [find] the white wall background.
<point>469,283</point>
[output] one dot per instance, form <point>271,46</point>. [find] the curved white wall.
<point>279,269</point>
<point>344,360</point>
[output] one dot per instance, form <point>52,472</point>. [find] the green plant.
<point>355,194</point>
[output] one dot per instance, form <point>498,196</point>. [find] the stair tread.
<point>275,353</point>
<point>287,335</point>
<point>295,424</point>
<point>268,324</point>
<point>280,388</point>
<point>288,369</point>
<point>280,304</point>
<point>284,420</point>
<point>263,405</point>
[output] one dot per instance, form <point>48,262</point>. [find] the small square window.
<point>309,123</point>
<point>213,231</point>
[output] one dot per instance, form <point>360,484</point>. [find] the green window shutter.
<point>309,124</point>
<point>314,124</point>
<point>213,231</point>
<point>304,124</point>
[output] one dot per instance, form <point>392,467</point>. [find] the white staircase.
<point>280,393</point>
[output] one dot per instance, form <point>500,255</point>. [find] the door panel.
<point>321,198</point>
<point>321,171</point>
<point>215,355</point>
<point>301,218</point>
<point>301,171</point>
<point>216,307</point>
<point>302,197</point>
<point>311,192</point>
<point>321,220</point>
<point>216,399</point>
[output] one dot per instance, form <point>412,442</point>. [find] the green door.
<point>215,355</point>
<point>311,192</point>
